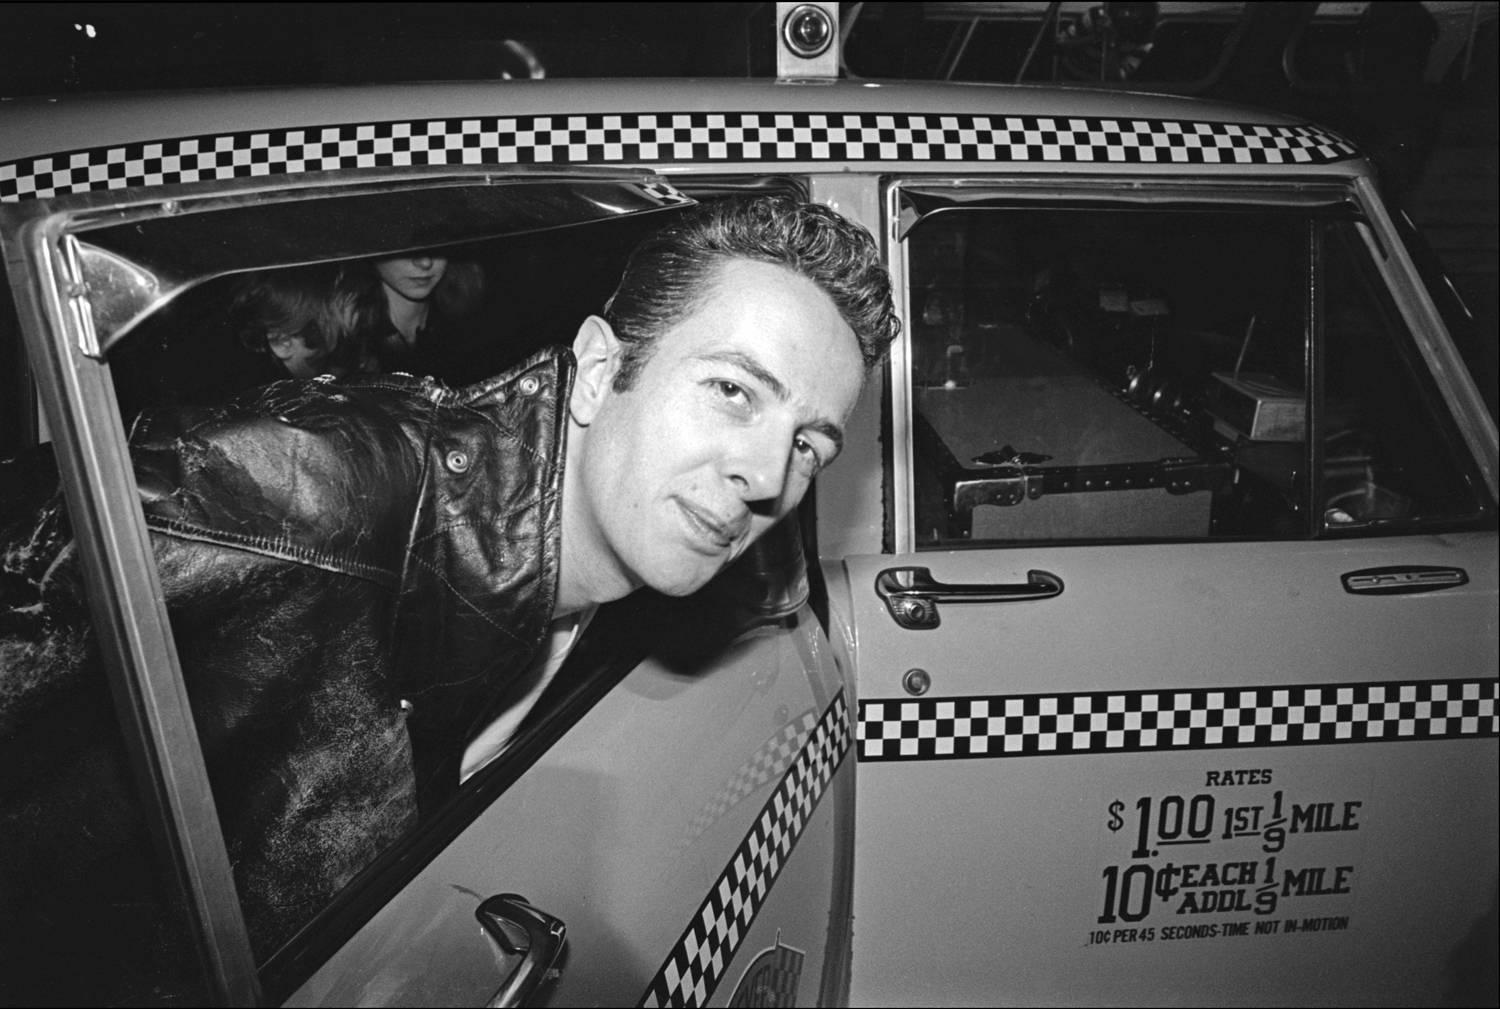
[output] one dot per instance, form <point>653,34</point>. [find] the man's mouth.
<point>716,533</point>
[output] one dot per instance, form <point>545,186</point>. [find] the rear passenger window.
<point>1095,372</point>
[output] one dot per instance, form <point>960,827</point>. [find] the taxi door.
<point>1178,684</point>
<point>680,844</point>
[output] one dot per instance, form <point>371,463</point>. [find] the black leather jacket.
<point>354,570</point>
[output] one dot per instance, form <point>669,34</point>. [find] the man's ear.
<point>597,350</point>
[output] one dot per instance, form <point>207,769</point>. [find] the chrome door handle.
<point>520,928</point>
<point>912,594</point>
<point>1403,579</point>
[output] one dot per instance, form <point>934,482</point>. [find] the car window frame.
<point>126,603</point>
<point>1424,380</point>
<point>1439,351</point>
<point>74,388</point>
<point>1354,196</point>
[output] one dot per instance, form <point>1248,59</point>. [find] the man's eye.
<point>808,451</point>
<point>730,390</point>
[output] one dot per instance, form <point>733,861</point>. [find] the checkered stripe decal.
<point>657,138</point>
<point>768,763</point>
<point>698,962</point>
<point>1138,721</point>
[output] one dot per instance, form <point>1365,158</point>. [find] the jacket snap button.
<point>529,385</point>
<point>458,461</point>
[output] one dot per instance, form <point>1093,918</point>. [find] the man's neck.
<point>406,315</point>
<point>588,576</point>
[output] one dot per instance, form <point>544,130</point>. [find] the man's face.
<point>412,277</point>
<point>735,410</point>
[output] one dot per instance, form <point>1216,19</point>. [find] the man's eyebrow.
<point>754,368</point>
<point>748,364</point>
<point>832,432</point>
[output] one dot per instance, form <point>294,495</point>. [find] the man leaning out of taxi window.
<point>371,581</point>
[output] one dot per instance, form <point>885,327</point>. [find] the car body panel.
<point>50,126</point>
<point>592,835</point>
<point>1187,627</point>
<point>633,123</point>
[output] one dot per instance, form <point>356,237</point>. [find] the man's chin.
<point>684,583</point>
<point>681,590</point>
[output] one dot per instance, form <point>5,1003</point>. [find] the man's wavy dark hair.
<point>670,272</point>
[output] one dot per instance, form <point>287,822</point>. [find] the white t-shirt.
<point>562,635</point>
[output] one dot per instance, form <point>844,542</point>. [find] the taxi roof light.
<point>805,41</point>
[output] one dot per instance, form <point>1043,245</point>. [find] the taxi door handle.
<point>912,594</point>
<point>1403,579</point>
<point>520,928</point>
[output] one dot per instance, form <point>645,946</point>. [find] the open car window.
<point>1170,365</point>
<point>148,296</point>
<point>134,265</point>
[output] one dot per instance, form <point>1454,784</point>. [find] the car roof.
<point>76,143</point>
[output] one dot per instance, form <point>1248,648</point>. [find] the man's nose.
<point>422,262</point>
<point>758,466</point>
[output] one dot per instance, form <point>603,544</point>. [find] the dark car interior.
<point>1096,373</point>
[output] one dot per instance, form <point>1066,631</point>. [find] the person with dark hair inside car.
<point>371,580</point>
<point>303,322</point>
<point>424,306</point>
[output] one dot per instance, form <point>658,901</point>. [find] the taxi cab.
<point>1140,649</point>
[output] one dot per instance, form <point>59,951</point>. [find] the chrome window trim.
<point>1449,372</point>
<point>903,463</point>
<point>129,615</point>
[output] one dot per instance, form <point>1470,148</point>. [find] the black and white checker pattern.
<point>701,957</point>
<point>660,138</point>
<point>768,763</point>
<point>1033,725</point>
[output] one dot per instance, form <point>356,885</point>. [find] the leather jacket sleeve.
<point>352,571</point>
